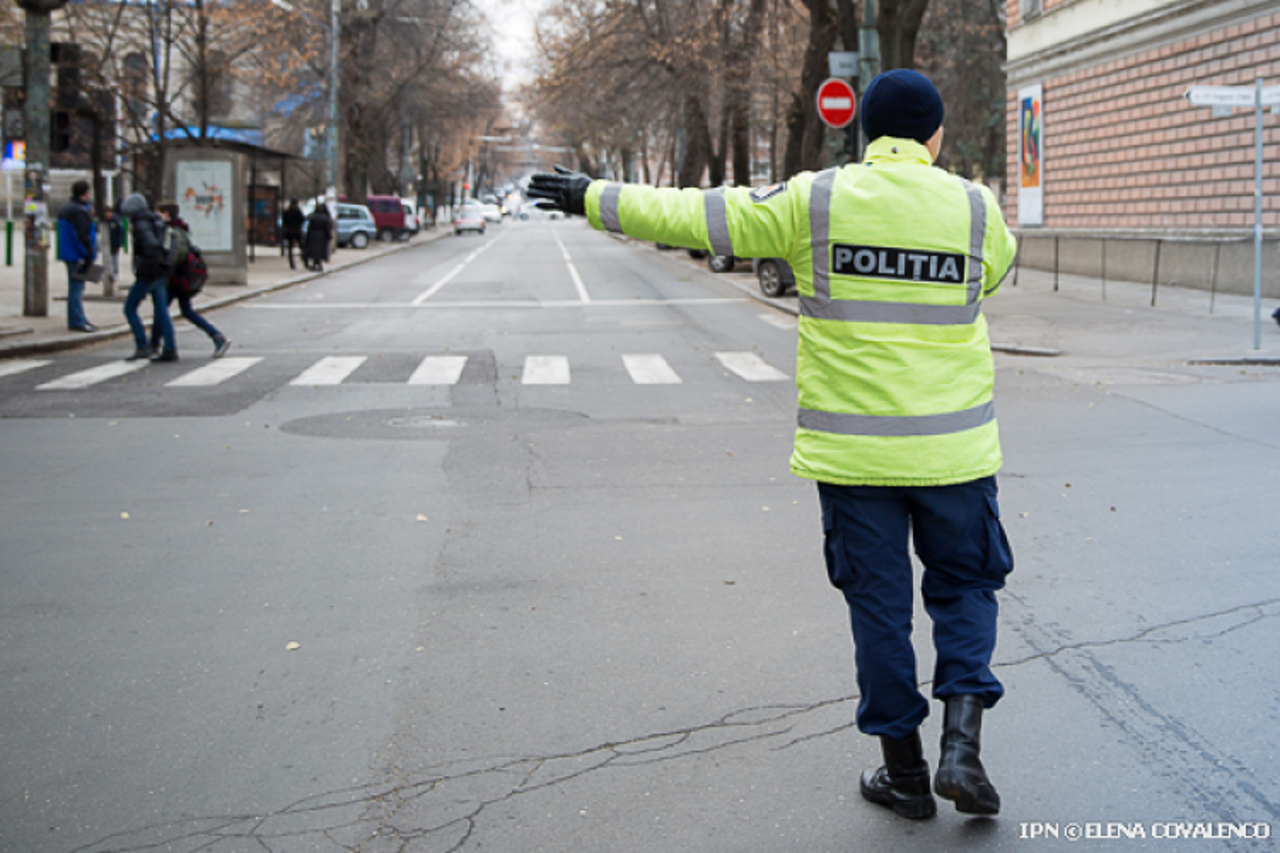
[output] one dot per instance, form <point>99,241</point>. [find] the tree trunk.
<point>740,92</point>
<point>715,165</point>
<point>805,130</point>
<point>898,24</point>
<point>697,143</point>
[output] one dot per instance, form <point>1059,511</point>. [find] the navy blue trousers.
<point>958,537</point>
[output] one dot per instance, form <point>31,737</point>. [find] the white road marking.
<point>546,370</point>
<point>9,368</point>
<point>439,370</point>
<point>94,375</point>
<point>496,303</point>
<point>781,321</point>
<point>213,373</point>
<point>435,288</point>
<point>650,369</point>
<point>330,370</point>
<point>751,367</point>
<point>583,296</point>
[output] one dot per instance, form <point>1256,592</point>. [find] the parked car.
<point>356,226</point>
<point>775,276</point>
<point>469,217</point>
<point>388,212</point>
<point>412,219</point>
<point>721,263</point>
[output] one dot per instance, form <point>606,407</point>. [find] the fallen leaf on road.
<point>421,517</point>
<point>125,516</point>
<point>292,647</point>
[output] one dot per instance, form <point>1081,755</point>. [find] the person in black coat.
<point>291,223</point>
<point>151,267</point>
<point>319,236</point>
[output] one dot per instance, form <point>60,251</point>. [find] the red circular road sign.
<point>836,102</point>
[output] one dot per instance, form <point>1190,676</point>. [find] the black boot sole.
<point>969,798</point>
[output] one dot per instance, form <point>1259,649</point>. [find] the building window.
<point>1030,8</point>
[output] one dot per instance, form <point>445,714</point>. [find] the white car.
<point>412,220</point>
<point>490,212</point>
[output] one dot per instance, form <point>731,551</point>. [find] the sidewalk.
<point>270,271</point>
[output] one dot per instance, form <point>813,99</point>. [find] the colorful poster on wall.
<point>204,195</point>
<point>1031,155</point>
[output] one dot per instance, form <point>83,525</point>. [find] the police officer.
<point>896,423</point>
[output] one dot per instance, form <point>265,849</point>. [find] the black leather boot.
<point>961,777</point>
<point>902,783</point>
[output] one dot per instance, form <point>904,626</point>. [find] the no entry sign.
<point>836,102</point>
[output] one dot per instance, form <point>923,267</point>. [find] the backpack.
<point>189,277</point>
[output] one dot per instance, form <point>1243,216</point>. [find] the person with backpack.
<point>152,277</point>
<point>181,285</point>
<point>77,248</point>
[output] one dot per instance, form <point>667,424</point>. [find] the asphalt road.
<point>522,502</point>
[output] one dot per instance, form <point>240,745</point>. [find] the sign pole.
<point>1257,217</point>
<point>1256,96</point>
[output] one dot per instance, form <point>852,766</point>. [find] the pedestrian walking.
<point>151,278</point>
<point>896,422</point>
<point>319,236</point>
<point>180,246</point>
<point>78,248</point>
<point>115,239</point>
<point>291,223</point>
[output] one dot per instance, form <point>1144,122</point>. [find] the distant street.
<point>491,544</point>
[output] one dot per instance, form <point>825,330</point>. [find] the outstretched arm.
<point>766,222</point>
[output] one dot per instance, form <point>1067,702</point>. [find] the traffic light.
<point>65,56</point>
<point>60,128</point>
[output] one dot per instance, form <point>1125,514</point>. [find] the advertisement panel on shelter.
<point>1031,155</point>
<point>204,195</point>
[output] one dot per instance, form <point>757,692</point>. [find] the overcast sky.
<point>512,23</point>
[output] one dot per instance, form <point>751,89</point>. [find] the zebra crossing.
<point>432,370</point>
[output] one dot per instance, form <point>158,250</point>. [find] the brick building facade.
<point>1115,150</point>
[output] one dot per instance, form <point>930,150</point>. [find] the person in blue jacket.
<point>77,247</point>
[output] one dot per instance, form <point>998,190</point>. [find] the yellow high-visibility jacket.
<point>892,258</point>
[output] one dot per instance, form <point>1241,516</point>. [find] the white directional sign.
<point>1231,96</point>
<point>1221,96</point>
<point>843,63</point>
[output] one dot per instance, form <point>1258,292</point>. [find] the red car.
<point>388,213</point>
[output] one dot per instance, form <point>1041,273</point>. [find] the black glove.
<point>563,189</point>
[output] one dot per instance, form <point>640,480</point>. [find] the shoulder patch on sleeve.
<point>763,194</point>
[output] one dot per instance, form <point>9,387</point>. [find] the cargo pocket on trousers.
<point>839,571</point>
<point>999,555</point>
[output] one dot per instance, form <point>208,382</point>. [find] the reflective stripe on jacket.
<point>892,258</point>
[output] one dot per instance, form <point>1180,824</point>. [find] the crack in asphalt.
<point>1259,608</point>
<point>445,806</point>
<point>1210,780</point>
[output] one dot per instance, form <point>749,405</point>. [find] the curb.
<point>79,339</point>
